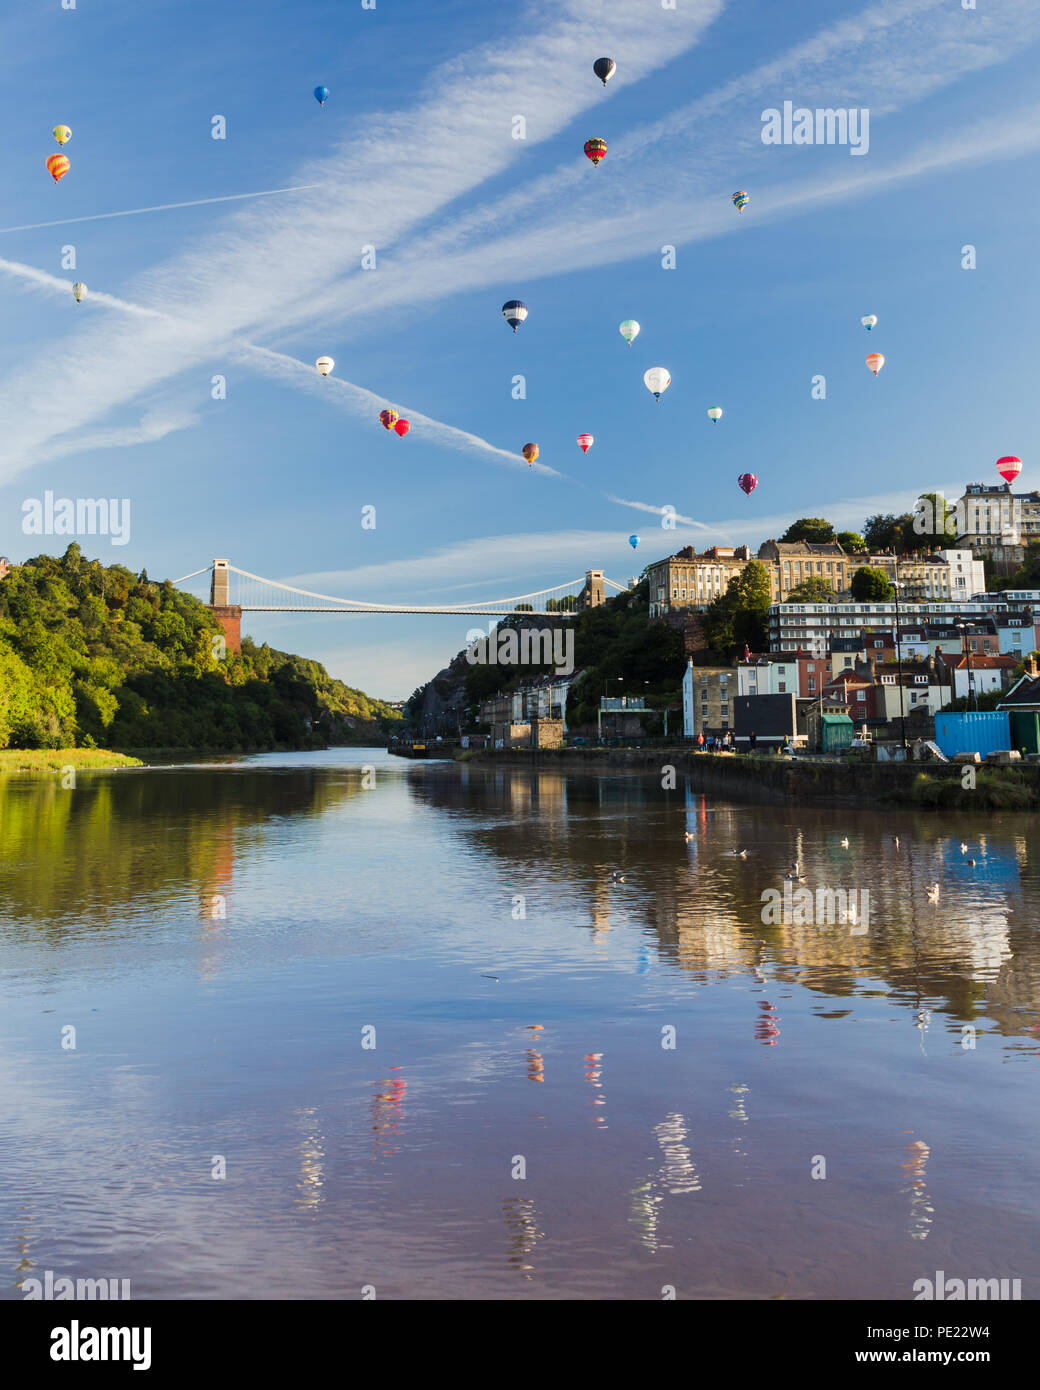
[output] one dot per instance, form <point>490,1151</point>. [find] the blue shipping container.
<point>976,732</point>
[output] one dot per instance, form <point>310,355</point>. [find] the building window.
<point>812,685</point>
<point>782,688</point>
<point>861,695</point>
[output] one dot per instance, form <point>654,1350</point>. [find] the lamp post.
<point>897,585</point>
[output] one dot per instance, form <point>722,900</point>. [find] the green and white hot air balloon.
<point>629,330</point>
<point>79,290</point>
<point>715,414</point>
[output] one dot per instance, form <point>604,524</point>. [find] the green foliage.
<point>851,541</point>
<point>871,585</point>
<point>809,528</point>
<point>99,657</point>
<point>891,532</point>
<point>815,589</point>
<point>934,524</point>
<point>740,616</point>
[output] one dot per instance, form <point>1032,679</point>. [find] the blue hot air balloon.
<point>633,541</point>
<point>321,95</point>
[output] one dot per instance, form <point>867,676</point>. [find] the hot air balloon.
<point>530,452</point>
<point>61,133</point>
<point>656,380</point>
<point>585,442</point>
<point>629,330</point>
<point>740,200</point>
<point>402,427</point>
<point>325,365</point>
<point>79,291</point>
<point>595,150</point>
<point>875,361</point>
<point>747,482</point>
<point>389,418</point>
<point>604,68</point>
<point>321,95</point>
<point>633,541</point>
<point>715,414</point>
<point>514,313</point>
<point>868,321</point>
<point>57,166</point>
<point>1009,467</point>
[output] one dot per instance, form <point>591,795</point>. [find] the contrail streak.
<point>162,207</point>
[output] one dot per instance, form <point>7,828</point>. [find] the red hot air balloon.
<point>402,427</point>
<point>57,166</point>
<point>747,482</point>
<point>594,150</point>
<point>585,442</point>
<point>388,418</point>
<point>1009,467</point>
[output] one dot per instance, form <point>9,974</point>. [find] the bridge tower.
<point>593,595</point>
<point>228,615</point>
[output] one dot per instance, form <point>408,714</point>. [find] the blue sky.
<point>414,155</point>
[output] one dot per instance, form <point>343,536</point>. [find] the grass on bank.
<point>54,759</point>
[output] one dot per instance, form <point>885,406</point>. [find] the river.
<point>298,1025</point>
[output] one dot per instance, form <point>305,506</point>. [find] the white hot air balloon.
<point>79,291</point>
<point>715,414</point>
<point>869,321</point>
<point>324,365</point>
<point>656,380</point>
<point>629,330</point>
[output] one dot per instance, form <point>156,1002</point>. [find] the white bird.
<point>972,862</point>
<point>793,876</point>
<point>690,835</point>
<point>737,853</point>
<point>933,893</point>
<point>964,848</point>
<point>845,843</point>
<point>895,841</point>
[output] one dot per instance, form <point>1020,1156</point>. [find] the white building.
<point>794,625</point>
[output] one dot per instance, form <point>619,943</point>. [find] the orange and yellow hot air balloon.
<point>875,361</point>
<point>57,166</point>
<point>530,452</point>
<point>389,418</point>
<point>595,150</point>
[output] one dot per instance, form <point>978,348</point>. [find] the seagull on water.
<point>793,876</point>
<point>690,835</point>
<point>844,843</point>
<point>933,893</point>
<point>964,848</point>
<point>895,841</point>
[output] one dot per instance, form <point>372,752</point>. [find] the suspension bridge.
<point>234,591</point>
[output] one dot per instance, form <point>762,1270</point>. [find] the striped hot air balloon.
<point>62,134</point>
<point>604,68</point>
<point>875,361</point>
<point>585,442</point>
<point>514,313</point>
<point>715,414</point>
<point>747,482</point>
<point>740,200</point>
<point>1009,467</point>
<point>388,418</point>
<point>57,166</point>
<point>595,150</point>
<point>530,452</point>
<point>629,329</point>
<point>79,291</point>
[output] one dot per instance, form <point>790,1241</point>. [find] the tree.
<point>870,585</point>
<point>815,589</point>
<point>851,541</point>
<point>809,528</point>
<point>934,523</point>
<point>740,616</point>
<point>890,532</point>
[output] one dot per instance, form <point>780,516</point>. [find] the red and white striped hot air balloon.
<point>1009,467</point>
<point>585,442</point>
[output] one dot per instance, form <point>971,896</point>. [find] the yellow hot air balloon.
<point>530,452</point>
<point>79,291</point>
<point>62,134</point>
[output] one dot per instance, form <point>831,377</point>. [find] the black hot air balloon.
<point>604,68</point>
